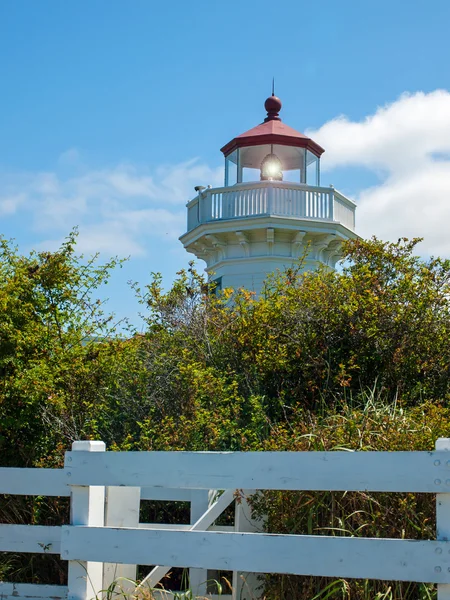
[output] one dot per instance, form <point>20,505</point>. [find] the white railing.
<point>344,210</point>
<point>271,198</point>
<point>103,544</point>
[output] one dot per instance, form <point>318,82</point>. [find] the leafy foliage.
<point>310,338</point>
<point>58,352</point>
<point>355,359</point>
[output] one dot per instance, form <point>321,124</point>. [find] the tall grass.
<point>363,422</point>
<point>120,589</point>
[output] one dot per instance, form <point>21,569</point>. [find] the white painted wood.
<point>30,538</point>
<point>366,558</point>
<point>344,210</point>
<point>176,526</point>
<point>183,527</point>
<point>245,585</point>
<point>121,510</point>
<point>264,197</point>
<point>33,482</point>
<point>166,494</point>
<point>88,541</point>
<point>198,578</point>
<point>216,215</point>
<point>87,508</point>
<point>341,471</point>
<point>443,515</point>
<point>213,512</point>
<point>32,591</point>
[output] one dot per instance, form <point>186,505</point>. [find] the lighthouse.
<point>271,210</point>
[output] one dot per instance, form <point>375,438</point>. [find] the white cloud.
<point>130,209</point>
<point>407,143</point>
<point>10,204</point>
<point>118,210</point>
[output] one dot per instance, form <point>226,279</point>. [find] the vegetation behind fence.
<point>357,359</point>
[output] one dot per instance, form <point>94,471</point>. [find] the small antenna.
<point>273,86</point>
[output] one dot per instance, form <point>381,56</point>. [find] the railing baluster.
<point>270,199</point>
<point>226,198</point>
<point>331,206</point>
<point>279,198</point>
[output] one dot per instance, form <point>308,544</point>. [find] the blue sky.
<point>111,111</point>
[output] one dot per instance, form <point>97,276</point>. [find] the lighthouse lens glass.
<point>271,168</point>
<point>312,169</point>
<point>231,168</point>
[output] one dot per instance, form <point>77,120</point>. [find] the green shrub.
<point>356,359</point>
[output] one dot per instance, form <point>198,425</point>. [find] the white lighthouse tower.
<point>271,209</point>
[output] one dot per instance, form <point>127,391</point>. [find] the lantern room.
<point>272,151</point>
<point>271,211</point>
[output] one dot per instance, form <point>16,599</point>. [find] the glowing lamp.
<point>271,168</point>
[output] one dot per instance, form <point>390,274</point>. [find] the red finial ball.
<point>273,106</point>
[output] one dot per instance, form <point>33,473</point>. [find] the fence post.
<point>87,507</point>
<point>121,510</point>
<point>198,577</point>
<point>245,585</point>
<point>443,520</point>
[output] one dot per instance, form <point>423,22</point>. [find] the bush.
<point>355,359</point>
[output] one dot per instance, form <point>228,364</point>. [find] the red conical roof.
<point>273,131</point>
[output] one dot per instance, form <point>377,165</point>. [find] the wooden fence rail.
<point>105,539</point>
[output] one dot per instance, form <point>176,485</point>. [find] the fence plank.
<point>30,538</point>
<point>32,591</point>
<point>366,558</point>
<point>227,528</point>
<point>33,482</point>
<point>443,518</point>
<point>166,494</point>
<point>345,471</point>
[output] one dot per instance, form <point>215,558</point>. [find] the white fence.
<point>271,198</point>
<point>105,539</point>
